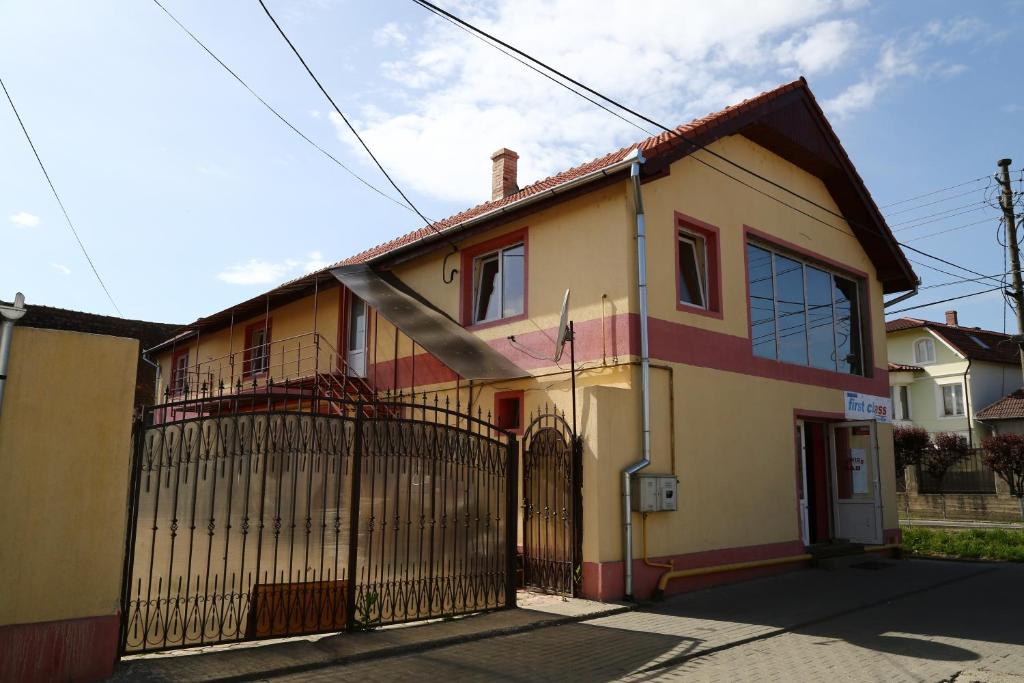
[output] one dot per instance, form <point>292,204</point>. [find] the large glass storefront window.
<point>803,314</point>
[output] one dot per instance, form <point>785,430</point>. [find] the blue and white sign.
<point>866,407</point>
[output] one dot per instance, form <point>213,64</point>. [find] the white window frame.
<point>499,289</point>
<point>179,374</point>
<point>941,403</point>
<point>699,245</point>
<point>264,347</point>
<point>897,403</point>
<point>931,345</point>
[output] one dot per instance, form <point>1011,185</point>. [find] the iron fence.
<point>970,475</point>
<point>289,513</point>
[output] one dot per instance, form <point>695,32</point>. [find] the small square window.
<point>924,351</point>
<point>508,410</point>
<point>693,271</point>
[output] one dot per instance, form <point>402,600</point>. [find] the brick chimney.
<point>503,173</point>
<point>951,319</point>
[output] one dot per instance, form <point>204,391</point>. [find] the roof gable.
<point>969,342</point>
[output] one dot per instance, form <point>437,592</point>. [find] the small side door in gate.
<point>855,484</point>
<point>551,506</point>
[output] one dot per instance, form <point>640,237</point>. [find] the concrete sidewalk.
<point>260,659</point>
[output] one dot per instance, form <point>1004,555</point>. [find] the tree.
<point>910,444</point>
<point>1004,455</point>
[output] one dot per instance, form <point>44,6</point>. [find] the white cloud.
<point>820,48</point>
<point>1012,108</point>
<point>389,34</point>
<point>61,268</point>
<point>454,100</point>
<point>24,219</point>
<point>260,272</point>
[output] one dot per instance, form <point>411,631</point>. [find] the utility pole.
<point>1006,201</point>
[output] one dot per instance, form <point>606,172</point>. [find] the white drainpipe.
<point>10,314</point>
<point>645,374</point>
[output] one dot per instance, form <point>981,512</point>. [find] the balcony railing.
<point>303,362</point>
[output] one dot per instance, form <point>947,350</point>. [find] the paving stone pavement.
<point>911,620</point>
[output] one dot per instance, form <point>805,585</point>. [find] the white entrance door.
<point>855,487</point>
<point>355,340</point>
<point>801,449</point>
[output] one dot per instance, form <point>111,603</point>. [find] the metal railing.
<point>970,475</point>
<point>304,364</point>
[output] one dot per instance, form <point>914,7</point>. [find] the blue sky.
<point>190,196</point>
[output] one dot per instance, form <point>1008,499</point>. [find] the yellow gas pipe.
<point>643,534</point>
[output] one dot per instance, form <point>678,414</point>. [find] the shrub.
<point>950,448</point>
<point>1004,455</point>
<point>910,444</point>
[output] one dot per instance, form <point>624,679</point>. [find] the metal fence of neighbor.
<point>970,475</point>
<point>288,512</point>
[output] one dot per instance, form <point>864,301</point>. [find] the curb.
<point>425,646</point>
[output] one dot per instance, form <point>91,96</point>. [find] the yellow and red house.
<point>761,314</point>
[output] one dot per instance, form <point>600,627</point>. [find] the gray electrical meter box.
<point>653,492</point>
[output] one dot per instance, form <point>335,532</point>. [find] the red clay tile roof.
<point>651,147</point>
<point>900,367</point>
<point>970,342</point>
<point>1008,407</point>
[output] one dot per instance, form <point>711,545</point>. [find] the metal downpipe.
<point>645,375</point>
<point>10,314</point>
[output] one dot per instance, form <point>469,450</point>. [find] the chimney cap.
<point>504,152</point>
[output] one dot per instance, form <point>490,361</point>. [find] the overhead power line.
<point>695,146</point>
<point>942,301</point>
<point>348,124</point>
<point>934,192</point>
<point>56,196</point>
<point>918,207</point>
<point>943,232</point>
<point>276,113</point>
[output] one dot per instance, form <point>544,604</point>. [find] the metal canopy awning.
<point>449,342</point>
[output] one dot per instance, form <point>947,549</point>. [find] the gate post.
<point>353,523</point>
<point>576,489</point>
<point>131,521</point>
<point>511,518</point>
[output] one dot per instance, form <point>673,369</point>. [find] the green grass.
<point>974,544</point>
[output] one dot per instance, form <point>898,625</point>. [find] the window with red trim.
<point>494,276</point>
<point>179,372</point>
<point>508,410</point>
<point>698,283</point>
<point>256,358</point>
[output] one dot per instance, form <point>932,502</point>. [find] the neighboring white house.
<point>941,375</point>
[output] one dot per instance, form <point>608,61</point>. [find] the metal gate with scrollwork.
<point>242,511</point>
<point>552,505</point>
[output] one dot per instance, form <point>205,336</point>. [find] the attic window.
<point>924,351</point>
<point>978,342</point>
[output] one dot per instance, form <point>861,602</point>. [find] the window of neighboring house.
<point>179,373</point>
<point>256,358</point>
<point>508,410</point>
<point>693,270</point>
<point>499,284</point>
<point>924,351</point>
<point>801,313</point>
<point>900,402</point>
<point>952,400</point>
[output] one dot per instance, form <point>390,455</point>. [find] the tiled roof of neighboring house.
<point>900,367</point>
<point>1008,407</point>
<point>790,106</point>
<point>970,342</point>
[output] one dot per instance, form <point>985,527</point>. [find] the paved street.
<point>889,620</point>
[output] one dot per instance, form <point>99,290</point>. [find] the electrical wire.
<point>937,201</point>
<point>56,196</point>
<point>676,133</point>
<point>276,113</point>
<point>934,192</point>
<point>429,224</point>
<point>942,301</point>
<point>943,232</point>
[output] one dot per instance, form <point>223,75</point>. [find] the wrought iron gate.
<point>242,517</point>
<point>552,505</point>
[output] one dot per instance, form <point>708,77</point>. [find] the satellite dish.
<point>563,328</point>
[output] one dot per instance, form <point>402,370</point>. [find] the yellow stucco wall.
<point>65,452</point>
